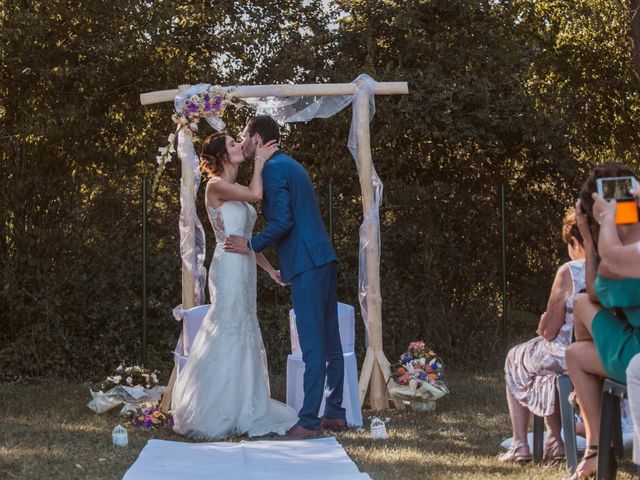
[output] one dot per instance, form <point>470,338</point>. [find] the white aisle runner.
<point>316,459</point>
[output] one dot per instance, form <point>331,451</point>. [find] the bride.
<point>223,389</point>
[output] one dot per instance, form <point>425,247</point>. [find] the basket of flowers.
<point>419,377</point>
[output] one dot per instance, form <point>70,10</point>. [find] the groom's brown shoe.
<point>333,424</point>
<point>299,433</point>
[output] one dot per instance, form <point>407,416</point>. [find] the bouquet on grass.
<point>419,378</point>
<point>129,384</point>
<point>148,417</point>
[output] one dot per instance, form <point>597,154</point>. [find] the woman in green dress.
<point>607,318</point>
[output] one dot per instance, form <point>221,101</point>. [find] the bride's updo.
<point>212,154</point>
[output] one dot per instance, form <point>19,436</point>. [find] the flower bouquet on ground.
<point>148,417</point>
<point>129,384</point>
<point>419,378</point>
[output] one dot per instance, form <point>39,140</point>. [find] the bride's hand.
<point>265,151</point>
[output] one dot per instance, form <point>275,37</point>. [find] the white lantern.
<point>378,428</point>
<point>119,436</point>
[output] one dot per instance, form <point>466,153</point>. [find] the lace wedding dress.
<point>223,389</point>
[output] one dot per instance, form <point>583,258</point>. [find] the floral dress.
<point>532,367</point>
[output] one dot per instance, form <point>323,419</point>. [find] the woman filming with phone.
<point>607,318</point>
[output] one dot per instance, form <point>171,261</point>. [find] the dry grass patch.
<point>46,431</point>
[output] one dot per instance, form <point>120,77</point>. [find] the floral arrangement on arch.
<point>209,103</point>
<point>419,377</point>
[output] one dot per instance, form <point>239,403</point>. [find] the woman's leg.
<point>554,446</point>
<point>583,312</point>
<point>586,372</point>
<point>519,419</point>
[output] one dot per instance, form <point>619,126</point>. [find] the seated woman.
<point>607,318</point>
<point>532,367</point>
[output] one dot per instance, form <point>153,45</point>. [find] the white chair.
<point>191,320</point>
<point>295,367</point>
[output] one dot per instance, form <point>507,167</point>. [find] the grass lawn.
<point>46,431</point>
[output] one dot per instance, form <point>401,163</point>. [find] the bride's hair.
<point>212,154</point>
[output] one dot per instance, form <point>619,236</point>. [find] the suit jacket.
<point>294,223</point>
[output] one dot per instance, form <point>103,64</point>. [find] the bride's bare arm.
<point>223,190</point>
<point>264,263</point>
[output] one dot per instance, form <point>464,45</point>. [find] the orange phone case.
<point>626,212</point>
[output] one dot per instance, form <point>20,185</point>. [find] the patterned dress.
<point>532,367</point>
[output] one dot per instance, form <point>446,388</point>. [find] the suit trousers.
<point>315,304</point>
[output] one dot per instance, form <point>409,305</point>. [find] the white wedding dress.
<point>223,389</point>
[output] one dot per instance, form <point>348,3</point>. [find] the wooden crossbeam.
<point>257,91</point>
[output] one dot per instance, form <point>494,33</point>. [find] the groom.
<point>307,261</point>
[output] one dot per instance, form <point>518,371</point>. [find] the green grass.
<point>46,431</point>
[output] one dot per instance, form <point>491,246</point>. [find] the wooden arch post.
<point>375,369</point>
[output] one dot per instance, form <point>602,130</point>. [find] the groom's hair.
<point>265,126</point>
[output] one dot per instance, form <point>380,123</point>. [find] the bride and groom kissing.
<point>223,389</point>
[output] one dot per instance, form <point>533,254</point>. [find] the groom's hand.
<point>236,244</point>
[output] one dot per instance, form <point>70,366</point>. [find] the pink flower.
<point>416,345</point>
<point>129,380</point>
<point>404,379</point>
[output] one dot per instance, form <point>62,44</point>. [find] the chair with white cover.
<point>295,366</point>
<point>191,320</point>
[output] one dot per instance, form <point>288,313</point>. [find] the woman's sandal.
<point>554,452</point>
<point>587,467</point>
<point>517,453</point>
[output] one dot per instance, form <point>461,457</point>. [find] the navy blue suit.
<point>308,261</point>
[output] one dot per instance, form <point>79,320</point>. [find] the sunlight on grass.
<point>45,438</point>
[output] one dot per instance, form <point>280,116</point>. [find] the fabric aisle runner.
<point>315,459</point>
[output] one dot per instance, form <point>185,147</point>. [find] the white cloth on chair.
<point>350,396</point>
<point>346,321</point>
<point>191,320</point>
<point>295,366</point>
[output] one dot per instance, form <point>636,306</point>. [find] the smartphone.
<point>617,188</point>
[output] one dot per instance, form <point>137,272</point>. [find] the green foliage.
<point>526,94</point>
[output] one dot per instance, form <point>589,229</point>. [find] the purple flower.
<point>218,102</point>
<point>129,380</point>
<point>192,107</point>
<point>422,376</point>
<point>207,97</point>
<point>207,107</point>
<point>407,358</point>
<point>119,369</point>
<point>148,423</point>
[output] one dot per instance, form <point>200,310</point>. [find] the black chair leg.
<point>606,429</point>
<point>538,438</point>
<point>616,439</point>
<point>568,422</point>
